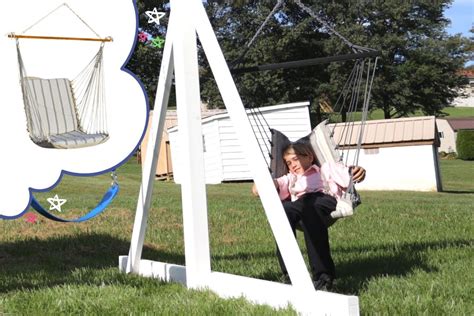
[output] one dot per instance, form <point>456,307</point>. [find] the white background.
<point>24,165</point>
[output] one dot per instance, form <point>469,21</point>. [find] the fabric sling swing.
<point>64,113</point>
<point>108,197</point>
<point>330,142</point>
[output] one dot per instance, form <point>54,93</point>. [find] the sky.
<point>461,14</point>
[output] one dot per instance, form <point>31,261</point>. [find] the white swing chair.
<point>61,112</point>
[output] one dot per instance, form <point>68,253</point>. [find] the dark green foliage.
<point>146,60</point>
<point>418,70</point>
<point>465,144</point>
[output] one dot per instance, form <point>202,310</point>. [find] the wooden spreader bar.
<point>67,38</point>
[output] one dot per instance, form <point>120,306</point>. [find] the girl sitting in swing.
<point>309,194</point>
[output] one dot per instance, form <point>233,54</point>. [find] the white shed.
<point>223,156</point>
<point>399,154</point>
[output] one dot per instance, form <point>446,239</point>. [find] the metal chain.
<point>308,10</point>
<point>114,177</point>
<point>259,30</point>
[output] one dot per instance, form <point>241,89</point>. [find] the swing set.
<point>188,20</point>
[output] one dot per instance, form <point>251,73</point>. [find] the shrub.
<point>465,144</point>
<point>447,156</point>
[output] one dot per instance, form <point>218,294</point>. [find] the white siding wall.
<point>212,152</point>
<point>224,158</point>
<point>292,121</point>
<point>234,162</point>
<point>447,137</point>
<point>411,168</point>
<point>175,147</point>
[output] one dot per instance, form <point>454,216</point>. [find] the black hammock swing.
<point>330,142</point>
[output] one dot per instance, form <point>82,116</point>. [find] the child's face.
<point>297,164</point>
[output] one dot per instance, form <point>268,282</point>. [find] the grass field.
<point>451,112</point>
<point>403,253</point>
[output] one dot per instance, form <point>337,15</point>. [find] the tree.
<point>145,61</point>
<point>418,69</point>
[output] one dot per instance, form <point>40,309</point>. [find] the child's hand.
<point>254,190</point>
<point>358,174</point>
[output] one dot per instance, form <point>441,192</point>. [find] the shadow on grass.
<point>458,192</point>
<point>35,263</point>
<point>367,262</point>
<point>386,260</point>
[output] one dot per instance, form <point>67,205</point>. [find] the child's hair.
<point>301,149</point>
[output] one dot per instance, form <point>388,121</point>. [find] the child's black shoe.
<point>285,278</point>
<point>323,283</point>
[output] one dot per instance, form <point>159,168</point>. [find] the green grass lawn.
<point>403,253</point>
<point>377,114</point>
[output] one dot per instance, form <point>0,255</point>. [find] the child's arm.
<point>255,190</point>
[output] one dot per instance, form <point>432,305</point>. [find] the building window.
<point>441,134</point>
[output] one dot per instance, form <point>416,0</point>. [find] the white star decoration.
<point>154,16</point>
<point>56,203</point>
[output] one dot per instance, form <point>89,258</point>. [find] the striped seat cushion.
<point>76,139</point>
<point>52,117</point>
<point>52,104</point>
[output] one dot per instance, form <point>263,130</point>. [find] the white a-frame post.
<point>188,20</point>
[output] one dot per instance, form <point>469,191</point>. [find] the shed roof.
<point>469,73</point>
<point>389,132</point>
<point>461,123</point>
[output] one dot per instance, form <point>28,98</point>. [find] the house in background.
<point>448,129</point>
<point>224,158</point>
<point>398,154</point>
<point>467,97</point>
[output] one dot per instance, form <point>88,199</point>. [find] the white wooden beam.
<point>290,252</point>
<point>274,294</point>
<point>193,187</point>
<point>190,18</point>
<point>152,152</point>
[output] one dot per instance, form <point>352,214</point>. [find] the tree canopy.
<point>418,70</point>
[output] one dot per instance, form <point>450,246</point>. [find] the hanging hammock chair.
<point>330,142</point>
<point>64,113</point>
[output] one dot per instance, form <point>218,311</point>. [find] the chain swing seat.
<point>108,197</point>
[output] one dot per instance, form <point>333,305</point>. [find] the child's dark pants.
<point>311,211</point>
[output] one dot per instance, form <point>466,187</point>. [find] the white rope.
<point>56,9</point>
<point>88,87</point>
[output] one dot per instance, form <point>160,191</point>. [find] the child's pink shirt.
<point>331,178</point>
